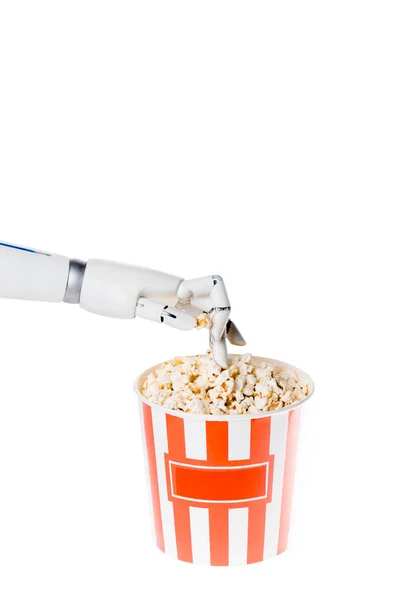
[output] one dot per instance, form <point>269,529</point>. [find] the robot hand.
<point>207,295</point>
<point>126,291</point>
<point>122,291</point>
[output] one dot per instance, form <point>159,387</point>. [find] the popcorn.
<point>260,403</point>
<point>198,385</point>
<point>204,320</point>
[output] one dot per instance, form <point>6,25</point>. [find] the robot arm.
<point>118,290</point>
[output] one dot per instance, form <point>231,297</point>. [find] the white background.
<point>259,140</point>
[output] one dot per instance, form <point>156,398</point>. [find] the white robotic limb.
<point>119,290</point>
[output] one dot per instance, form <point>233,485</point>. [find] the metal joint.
<point>76,274</point>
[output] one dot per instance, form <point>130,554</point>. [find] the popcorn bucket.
<point>220,486</point>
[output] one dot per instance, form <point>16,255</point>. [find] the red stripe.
<point>177,449</point>
<point>259,439</point>
<point>217,442</point>
<point>259,451</point>
<point>176,437</point>
<point>219,536</point>
<point>217,454</point>
<point>151,458</point>
<point>288,478</point>
<point>182,531</point>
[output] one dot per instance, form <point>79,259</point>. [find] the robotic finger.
<point>234,335</point>
<point>162,313</point>
<point>209,294</point>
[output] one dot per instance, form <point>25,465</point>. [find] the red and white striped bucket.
<point>221,487</point>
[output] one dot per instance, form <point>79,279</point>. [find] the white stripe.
<point>167,513</point>
<point>200,533</point>
<point>238,518</point>
<point>195,439</point>
<point>239,440</point>
<point>196,448</point>
<point>279,426</point>
<point>238,535</point>
<point>147,473</point>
